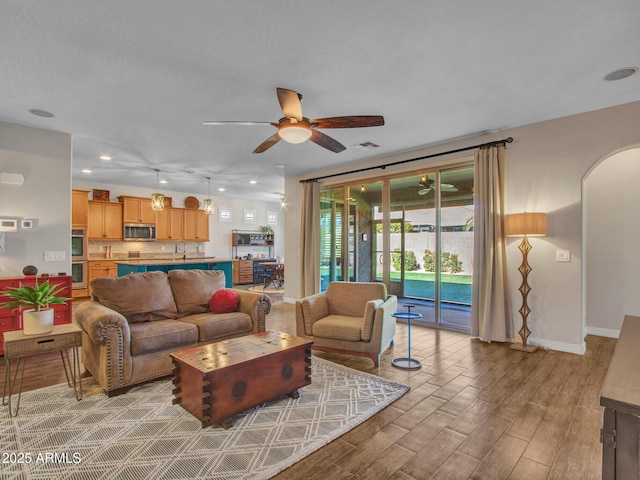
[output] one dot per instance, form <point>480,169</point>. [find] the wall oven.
<point>78,258</point>
<point>135,232</point>
<point>78,244</point>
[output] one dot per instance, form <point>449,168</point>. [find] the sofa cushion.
<point>152,337</point>
<point>192,289</point>
<point>213,326</point>
<point>224,301</point>
<point>339,327</point>
<point>139,297</point>
<point>350,298</point>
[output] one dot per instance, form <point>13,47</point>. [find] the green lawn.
<point>426,276</point>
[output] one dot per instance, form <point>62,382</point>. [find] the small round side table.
<point>407,363</point>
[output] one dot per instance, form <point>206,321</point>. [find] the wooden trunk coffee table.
<point>214,382</point>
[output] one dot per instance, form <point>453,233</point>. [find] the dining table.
<point>277,274</point>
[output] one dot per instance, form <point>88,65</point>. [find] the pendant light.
<point>157,199</point>
<point>209,206</point>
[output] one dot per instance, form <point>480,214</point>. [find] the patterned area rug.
<point>142,435</point>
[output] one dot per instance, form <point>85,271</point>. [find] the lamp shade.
<point>527,223</point>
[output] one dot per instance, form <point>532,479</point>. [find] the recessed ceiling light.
<point>41,113</point>
<point>253,182</point>
<point>279,165</point>
<point>163,181</point>
<point>221,189</point>
<point>621,73</point>
<point>104,157</point>
<point>86,170</point>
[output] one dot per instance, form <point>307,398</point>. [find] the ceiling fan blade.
<point>424,191</point>
<point>268,143</point>
<point>326,141</point>
<point>353,121</point>
<point>239,122</point>
<point>447,187</point>
<point>290,103</point>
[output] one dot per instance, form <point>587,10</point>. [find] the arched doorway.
<point>611,232</point>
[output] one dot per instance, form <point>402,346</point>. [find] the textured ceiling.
<point>135,79</point>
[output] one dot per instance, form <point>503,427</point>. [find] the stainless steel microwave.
<point>135,232</point>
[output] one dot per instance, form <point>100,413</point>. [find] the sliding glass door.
<point>414,232</point>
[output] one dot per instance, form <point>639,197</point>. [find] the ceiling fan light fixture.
<point>294,133</point>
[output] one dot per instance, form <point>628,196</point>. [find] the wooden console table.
<point>18,346</point>
<point>620,397</point>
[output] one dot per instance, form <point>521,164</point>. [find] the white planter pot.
<point>35,323</point>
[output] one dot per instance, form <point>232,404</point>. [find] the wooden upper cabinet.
<point>169,225</point>
<point>79,208</point>
<point>137,210</point>
<point>196,226</point>
<point>104,221</point>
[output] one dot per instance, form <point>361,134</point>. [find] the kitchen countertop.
<point>171,261</point>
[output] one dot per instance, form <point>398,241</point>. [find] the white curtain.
<point>310,239</point>
<point>491,318</point>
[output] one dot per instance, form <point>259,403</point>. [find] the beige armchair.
<point>350,317</point>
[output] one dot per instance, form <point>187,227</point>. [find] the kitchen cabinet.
<point>244,272</point>
<point>101,268</point>
<point>169,225</point>
<point>79,208</point>
<point>12,320</point>
<point>137,210</point>
<point>125,267</point>
<point>104,221</point>
<point>196,226</point>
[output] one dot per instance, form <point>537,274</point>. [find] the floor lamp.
<point>525,224</point>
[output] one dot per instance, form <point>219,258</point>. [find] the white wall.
<point>44,158</point>
<point>219,244</point>
<point>612,239</point>
<point>545,166</point>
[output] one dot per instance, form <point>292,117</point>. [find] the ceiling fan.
<point>426,184</point>
<point>294,128</point>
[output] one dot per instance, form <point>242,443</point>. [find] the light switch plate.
<point>563,256</point>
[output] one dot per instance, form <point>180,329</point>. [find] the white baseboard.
<point>576,348</point>
<point>603,332</point>
<point>289,300</point>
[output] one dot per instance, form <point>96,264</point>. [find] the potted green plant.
<point>33,301</point>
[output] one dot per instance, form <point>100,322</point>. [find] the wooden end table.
<point>18,346</point>
<point>216,381</point>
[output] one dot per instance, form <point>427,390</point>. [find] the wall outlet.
<point>54,256</point>
<point>563,256</point>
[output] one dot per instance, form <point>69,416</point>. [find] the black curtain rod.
<point>400,162</point>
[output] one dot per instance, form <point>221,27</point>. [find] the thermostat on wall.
<point>27,223</point>
<point>8,225</point>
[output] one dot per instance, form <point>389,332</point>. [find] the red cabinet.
<point>10,320</point>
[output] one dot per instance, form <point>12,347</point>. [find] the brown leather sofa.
<point>133,322</point>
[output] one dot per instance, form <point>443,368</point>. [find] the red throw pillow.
<point>224,301</point>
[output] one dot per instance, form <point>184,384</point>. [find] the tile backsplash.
<point>123,250</point>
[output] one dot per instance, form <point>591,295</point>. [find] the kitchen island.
<point>164,265</point>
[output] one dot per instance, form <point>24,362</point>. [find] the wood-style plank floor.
<point>474,411</point>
